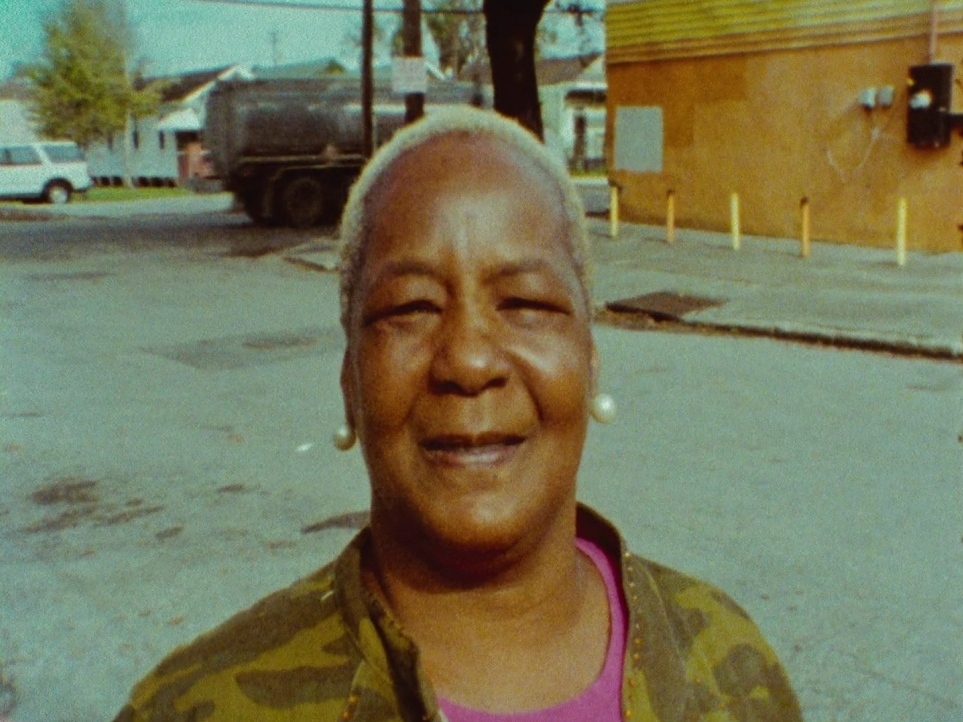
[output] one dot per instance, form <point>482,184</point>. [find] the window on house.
<point>110,142</point>
<point>136,138</point>
<point>160,140</point>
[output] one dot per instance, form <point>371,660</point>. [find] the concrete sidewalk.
<point>845,295</point>
<point>841,294</point>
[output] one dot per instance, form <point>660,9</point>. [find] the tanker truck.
<point>289,150</point>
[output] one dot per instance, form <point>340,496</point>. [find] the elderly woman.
<point>481,590</point>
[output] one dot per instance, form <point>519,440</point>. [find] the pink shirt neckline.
<point>602,700</point>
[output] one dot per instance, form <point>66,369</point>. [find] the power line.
<point>569,8</point>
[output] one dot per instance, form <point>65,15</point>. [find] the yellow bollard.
<point>734,221</point>
<point>613,209</point>
<point>804,240</point>
<point>670,217</point>
<point>901,221</point>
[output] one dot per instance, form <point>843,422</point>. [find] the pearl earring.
<point>603,408</point>
<point>344,438</point>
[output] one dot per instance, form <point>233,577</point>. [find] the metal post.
<point>902,211</point>
<point>367,86</point>
<point>670,217</point>
<point>411,34</point>
<point>734,221</point>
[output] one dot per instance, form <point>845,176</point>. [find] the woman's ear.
<point>347,389</point>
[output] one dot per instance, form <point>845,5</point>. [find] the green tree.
<point>82,87</point>
<point>458,29</point>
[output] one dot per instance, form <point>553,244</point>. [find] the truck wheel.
<point>302,201</point>
<point>253,204</point>
<point>57,193</point>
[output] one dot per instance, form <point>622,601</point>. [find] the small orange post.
<point>670,217</point>
<point>804,240</point>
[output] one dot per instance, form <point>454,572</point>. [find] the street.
<point>169,385</point>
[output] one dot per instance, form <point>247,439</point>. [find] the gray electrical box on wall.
<point>929,121</point>
<point>638,139</point>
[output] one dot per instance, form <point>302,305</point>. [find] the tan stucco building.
<point>780,101</point>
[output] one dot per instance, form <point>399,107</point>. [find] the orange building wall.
<point>778,126</point>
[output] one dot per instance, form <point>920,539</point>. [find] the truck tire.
<point>253,204</point>
<point>302,201</point>
<point>57,192</point>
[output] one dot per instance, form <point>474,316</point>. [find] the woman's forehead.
<point>466,161</point>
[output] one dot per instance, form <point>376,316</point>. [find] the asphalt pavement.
<point>846,295</point>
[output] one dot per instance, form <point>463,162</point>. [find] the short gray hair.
<point>356,220</point>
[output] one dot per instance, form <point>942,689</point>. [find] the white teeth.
<point>471,454</point>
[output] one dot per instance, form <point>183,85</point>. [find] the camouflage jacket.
<point>325,649</point>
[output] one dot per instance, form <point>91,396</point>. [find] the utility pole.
<point>367,86</point>
<point>411,35</point>
<point>275,53</point>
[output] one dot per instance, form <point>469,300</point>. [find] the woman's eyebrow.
<point>525,267</point>
<point>405,267</point>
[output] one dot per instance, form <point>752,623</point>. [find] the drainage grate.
<point>663,305</point>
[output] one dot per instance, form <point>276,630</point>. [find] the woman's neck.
<point>511,636</point>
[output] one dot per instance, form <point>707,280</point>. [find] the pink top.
<point>601,702</point>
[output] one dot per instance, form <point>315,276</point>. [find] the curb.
<point>915,349</point>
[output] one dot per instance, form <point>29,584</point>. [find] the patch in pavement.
<point>79,496</point>
<point>663,305</point>
<point>229,353</point>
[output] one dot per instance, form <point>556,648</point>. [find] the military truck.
<point>289,150</point>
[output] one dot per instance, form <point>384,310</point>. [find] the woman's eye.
<point>402,311</point>
<point>532,305</point>
<point>413,307</point>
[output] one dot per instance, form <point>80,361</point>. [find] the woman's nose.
<point>469,357</point>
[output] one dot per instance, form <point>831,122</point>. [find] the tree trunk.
<point>510,27</point>
<point>126,174</point>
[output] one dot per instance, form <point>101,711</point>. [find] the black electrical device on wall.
<point>929,121</point>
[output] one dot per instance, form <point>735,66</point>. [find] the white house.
<point>572,92</point>
<point>15,125</point>
<point>164,149</point>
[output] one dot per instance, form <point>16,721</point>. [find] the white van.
<point>47,170</point>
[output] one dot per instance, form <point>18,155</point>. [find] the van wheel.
<point>302,201</point>
<point>57,193</point>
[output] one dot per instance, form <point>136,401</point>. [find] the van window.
<point>63,153</point>
<point>23,155</point>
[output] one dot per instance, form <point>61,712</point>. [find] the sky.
<point>177,36</point>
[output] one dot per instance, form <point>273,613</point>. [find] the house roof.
<point>328,68</point>
<point>15,90</point>
<point>299,71</point>
<point>548,71</point>
<point>641,30</point>
<point>180,88</point>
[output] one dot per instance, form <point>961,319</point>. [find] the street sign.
<point>408,75</point>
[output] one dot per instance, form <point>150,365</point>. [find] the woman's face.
<point>470,361</point>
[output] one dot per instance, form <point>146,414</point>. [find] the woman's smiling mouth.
<point>471,450</point>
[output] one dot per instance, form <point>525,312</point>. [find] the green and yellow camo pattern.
<point>325,650</point>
